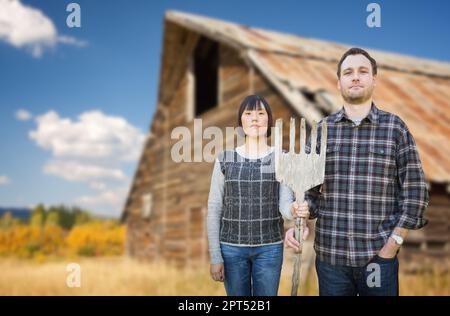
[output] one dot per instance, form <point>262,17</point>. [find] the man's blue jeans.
<point>378,278</point>
<point>252,270</point>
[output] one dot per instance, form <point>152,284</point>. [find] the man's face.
<point>356,81</point>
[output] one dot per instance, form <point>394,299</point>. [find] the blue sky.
<point>108,69</point>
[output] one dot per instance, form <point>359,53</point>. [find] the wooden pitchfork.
<point>300,172</point>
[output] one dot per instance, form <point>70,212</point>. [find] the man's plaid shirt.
<point>373,183</point>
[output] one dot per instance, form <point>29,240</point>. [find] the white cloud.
<point>94,135</point>
<point>77,171</point>
<point>94,148</point>
<point>106,197</point>
<point>23,115</point>
<point>4,180</point>
<point>107,202</point>
<point>24,26</point>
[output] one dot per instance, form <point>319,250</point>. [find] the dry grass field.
<point>125,276</point>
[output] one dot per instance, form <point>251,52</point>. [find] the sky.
<point>76,103</point>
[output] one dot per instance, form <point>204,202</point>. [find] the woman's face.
<point>254,122</point>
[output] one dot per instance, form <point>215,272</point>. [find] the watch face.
<point>398,239</point>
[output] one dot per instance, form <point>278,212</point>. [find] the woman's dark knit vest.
<point>251,200</point>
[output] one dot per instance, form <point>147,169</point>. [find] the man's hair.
<point>357,51</point>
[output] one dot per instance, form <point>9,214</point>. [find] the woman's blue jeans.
<point>252,271</point>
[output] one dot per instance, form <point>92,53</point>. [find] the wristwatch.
<point>398,239</point>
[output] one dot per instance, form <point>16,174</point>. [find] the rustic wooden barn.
<point>208,66</point>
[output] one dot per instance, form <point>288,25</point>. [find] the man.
<point>373,193</point>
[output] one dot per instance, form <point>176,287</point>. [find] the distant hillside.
<point>17,212</point>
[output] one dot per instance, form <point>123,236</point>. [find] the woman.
<point>245,204</point>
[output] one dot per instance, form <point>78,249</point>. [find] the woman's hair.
<point>256,102</point>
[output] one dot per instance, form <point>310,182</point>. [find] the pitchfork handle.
<point>298,234</point>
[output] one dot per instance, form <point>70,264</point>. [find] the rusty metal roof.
<point>416,89</point>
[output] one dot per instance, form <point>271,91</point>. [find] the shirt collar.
<point>372,116</point>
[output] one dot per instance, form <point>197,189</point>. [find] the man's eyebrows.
<point>351,68</point>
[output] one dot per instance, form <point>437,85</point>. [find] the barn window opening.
<point>206,64</point>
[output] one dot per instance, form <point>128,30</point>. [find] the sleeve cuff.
<point>410,222</point>
<point>216,256</point>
